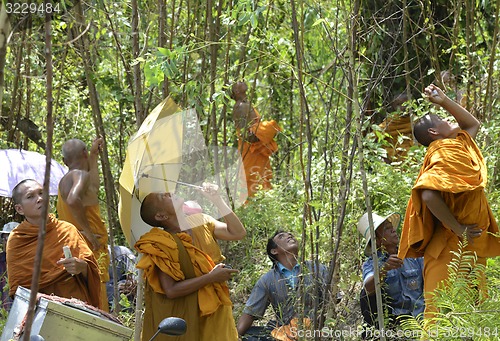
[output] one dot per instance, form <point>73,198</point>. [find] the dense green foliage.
<point>327,71</point>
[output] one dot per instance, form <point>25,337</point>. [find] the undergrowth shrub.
<point>464,312</point>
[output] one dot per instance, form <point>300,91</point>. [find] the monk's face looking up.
<point>444,128</point>
<point>172,203</point>
<point>159,207</point>
<point>431,127</point>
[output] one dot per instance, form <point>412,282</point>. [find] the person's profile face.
<point>171,203</point>
<point>443,126</point>
<point>387,234</point>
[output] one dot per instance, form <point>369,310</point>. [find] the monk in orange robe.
<point>255,141</point>
<point>182,278</point>
<point>75,277</point>
<point>78,202</point>
<point>448,202</point>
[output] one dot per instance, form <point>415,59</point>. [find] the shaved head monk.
<point>182,266</point>
<point>78,202</point>
<point>74,277</point>
<point>448,204</point>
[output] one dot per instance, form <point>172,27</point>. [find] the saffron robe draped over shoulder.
<point>160,253</point>
<point>98,228</point>
<point>54,279</point>
<point>255,155</point>
<point>456,168</point>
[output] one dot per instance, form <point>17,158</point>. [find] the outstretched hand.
<point>434,94</point>
<point>210,191</point>
<point>393,262</point>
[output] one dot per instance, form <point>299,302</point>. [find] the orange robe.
<point>54,279</point>
<point>98,228</point>
<point>203,236</point>
<point>255,155</point>
<point>456,168</point>
<point>210,318</point>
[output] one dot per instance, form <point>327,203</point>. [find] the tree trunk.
<point>139,112</point>
<point>46,184</point>
<point>111,200</point>
<point>162,39</point>
<point>4,35</point>
<point>16,96</point>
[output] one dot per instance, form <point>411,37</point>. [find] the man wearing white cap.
<point>403,279</point>
<point>4,234</point>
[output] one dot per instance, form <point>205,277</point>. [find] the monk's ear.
<point>19,209</point>
<point>432,131</point>
<point>161,217</point>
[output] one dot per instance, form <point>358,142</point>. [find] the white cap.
<point>7,228</point>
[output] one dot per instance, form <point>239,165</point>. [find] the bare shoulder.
<point>74,175</point>
<point>71,179</point>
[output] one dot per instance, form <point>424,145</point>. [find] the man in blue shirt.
<point>403,279</point>
<point>278,287</point>
<point>126,275</point>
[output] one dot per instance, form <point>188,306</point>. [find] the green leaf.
<point>164,51</point>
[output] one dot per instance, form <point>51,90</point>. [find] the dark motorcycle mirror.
<point>173,326</point>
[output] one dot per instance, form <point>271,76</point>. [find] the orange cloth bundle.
<point>396,126</point>
<point>289,332</point>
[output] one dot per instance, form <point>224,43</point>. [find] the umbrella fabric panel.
<point>153,143</point>
<point>18,165</point>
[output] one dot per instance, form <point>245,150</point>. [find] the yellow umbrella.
<point>169,150</point>
<point>154,160</point>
